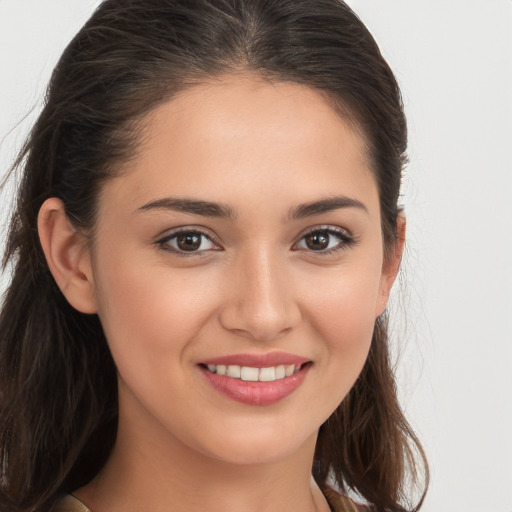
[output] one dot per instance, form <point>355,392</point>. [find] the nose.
<point>260,302</point>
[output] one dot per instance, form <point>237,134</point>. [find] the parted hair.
<point>58,382</point>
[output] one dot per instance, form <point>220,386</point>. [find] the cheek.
<point>149,314</point>
<point>346,325</point>
<point>342,313</point>
<point>343,301</point>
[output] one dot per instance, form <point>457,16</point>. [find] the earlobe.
<point>67,255</point>
<point>391,265</point>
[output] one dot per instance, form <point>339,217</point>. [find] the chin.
<point>261,445</point>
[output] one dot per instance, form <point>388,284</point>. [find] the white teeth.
<point>248,373</point>
<point>267,374</point>
<point>233,371</point>
<point>281,371</point>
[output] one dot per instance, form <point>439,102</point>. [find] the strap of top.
<point>69,504</point>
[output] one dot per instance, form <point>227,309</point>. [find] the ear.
<point>67,255</point>
<point>391,266</point>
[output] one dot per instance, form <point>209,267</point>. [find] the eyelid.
<point>347,238</point>
<point>163,240</point>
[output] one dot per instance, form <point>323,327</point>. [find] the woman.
<point>206,236</point>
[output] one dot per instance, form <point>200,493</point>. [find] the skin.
<point>254,286</point>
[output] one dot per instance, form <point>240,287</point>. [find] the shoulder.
<point>340,503</point>
<point>69,504</point>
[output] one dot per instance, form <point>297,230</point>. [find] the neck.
<point>149,469</point>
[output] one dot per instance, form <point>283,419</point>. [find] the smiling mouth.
<point>260,384</point>
<point>253,374</point>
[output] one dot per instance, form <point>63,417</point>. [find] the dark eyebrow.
<point>325,206</point>
<point>194,206</point>
<point>211,209</point>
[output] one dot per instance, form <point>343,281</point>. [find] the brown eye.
<point>317,241</point>
<point>326,240</point>
<point>189,241</point>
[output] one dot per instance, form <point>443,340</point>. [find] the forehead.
<point>239,138</point>
<point>233,108</point>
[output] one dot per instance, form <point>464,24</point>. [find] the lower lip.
<point>256,393</point>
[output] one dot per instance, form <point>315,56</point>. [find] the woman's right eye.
<point>189,241</point>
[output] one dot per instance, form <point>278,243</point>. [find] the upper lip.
<point>258,360</point>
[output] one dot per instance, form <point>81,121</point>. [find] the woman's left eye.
<point>325,240</point>
<point>188,242</point>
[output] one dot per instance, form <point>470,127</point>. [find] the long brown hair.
<point>58,391</point>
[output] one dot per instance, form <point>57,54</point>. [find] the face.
<point>244,238</point>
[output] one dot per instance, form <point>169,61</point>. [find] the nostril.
<point>261,322</point>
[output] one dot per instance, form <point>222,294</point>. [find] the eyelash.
<point>345,241</point>
<point>163,243</point>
